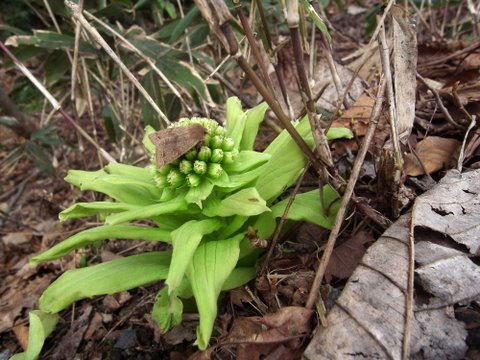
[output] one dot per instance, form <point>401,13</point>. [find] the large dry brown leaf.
<point>368,319</point>
<point>434,152</point>
<point>347,256</point>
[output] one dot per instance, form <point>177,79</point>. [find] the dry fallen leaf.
<point>369,317</point>
<point>358,115</point>
<point>275,336</point>
<point>346,256</point>
<point>434,152</point>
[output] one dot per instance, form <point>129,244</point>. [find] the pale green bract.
<point>201,204</point>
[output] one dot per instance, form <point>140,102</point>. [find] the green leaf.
<point>39,157</point>
<point>239,180</point>
<point>185,241</point>
<point>233,225</point>
<point>56,65</point>
<point>254,117</point>
<point>90,236</point>
<point>208,271</point>
<point>308,207</point>
<point>146,139</point>
<point>246,202</point>
<point>199,193</point>
<point>49,40</point>
<point>41,325</point>
<point>184,75</point>
<point>130,171</point>
<point>106,278</point>
<point>316,18</point>
<point>285,164</point>
<point>146,212</point>
<point>239,277</point>
<point>339,133</point>
<point>46,135</point>
<point>102,208</point>
<point>247,160</point>
<point>152,85</point>
<point>236,119</point>
<point>118,187</point>
<point>112,123</point>
<point>265,225</point>
<point>183,23</point>
<point>167,310</point>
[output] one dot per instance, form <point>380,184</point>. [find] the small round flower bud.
<point>161,180</point>
<point>217,156</point>
<point>204,153</point>
<point>191,155</point>
<point>164,170</point>
<point>216,142</point>
<point>193,180</point>
<point>228,144</point>
<point>207,140</point>
<point>229,157</point>
<point>214,170</point>
<point>185,166</point>
<point>220,130</point>
<point>175,178</point>
<point>200,167</point>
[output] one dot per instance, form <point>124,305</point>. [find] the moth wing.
<point>172,143</point>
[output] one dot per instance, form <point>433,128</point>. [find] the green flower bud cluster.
<point>203,161</point>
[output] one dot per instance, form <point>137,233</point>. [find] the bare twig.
<point>314,291</point>
<point>280,224</point>
<point>461,157</point>
<point>393,119</point>
<point>442,107</point>
<point>467,50</point>
<point>253,44</point>
<point>320,139</point>
<point>407,334</point>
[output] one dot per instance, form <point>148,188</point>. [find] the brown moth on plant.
<point>172,143</point>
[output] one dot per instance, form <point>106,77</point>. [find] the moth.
<point>172,143</point>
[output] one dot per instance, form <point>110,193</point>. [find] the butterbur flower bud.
<point>175,178</point>
<point>200,167</point>
<point>204,153</point>
<point>217,156</point>
<point>229,157</point>
<point>202,162</point>
<point>191,155</point>
<point>216,142</point>
<point>220,130</point>
<point>164,170</point>
<point>193,180</point>
<point>214,170</point>
<point>160,180</point>
<point>207,140</point>
<point>185,166</point>
<point>228,144</point>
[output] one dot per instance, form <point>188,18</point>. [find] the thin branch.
<point>280,224</point>
<point>320,273</point>
<point>392,108</point>
<point>442,107</point>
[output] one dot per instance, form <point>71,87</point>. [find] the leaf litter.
<point>367,320</point>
